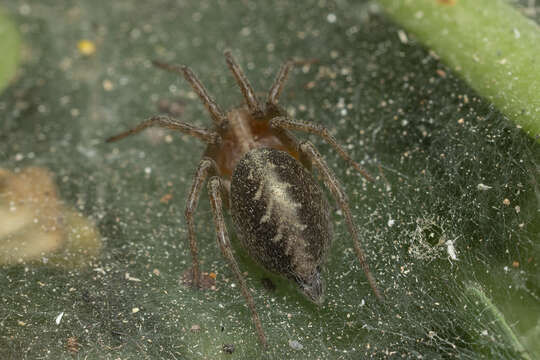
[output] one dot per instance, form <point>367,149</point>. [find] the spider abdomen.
<point>281,216</point>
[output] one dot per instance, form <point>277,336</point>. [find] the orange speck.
<point>213,275</point>
<point>447,2</point>
<point>441,73</point>
<point>165,199</point>
<point>515,264</point>
<point>86,47</point>
<point>310,85</point>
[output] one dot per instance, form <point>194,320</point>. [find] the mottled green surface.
<point>9,48</point>
<point>448,160</point>
<point>495,48</point>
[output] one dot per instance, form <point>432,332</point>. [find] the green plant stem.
<point>488,43</point>
<point>9,48</point>
<point>476,294</point>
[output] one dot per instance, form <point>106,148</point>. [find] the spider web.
<point>450,226</point>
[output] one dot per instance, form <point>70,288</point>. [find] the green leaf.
<point>488,43</point>
<point>9,48</point>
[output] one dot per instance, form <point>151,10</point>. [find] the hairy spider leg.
<point>208,136</point>
<point>213,108</point>
<point>214,190</point>
<point>279,83</point>
<point>243,83</point>
<point>333,184</point>
<point>286,123</point>
<point>274,93</point>
<point>206,166</point>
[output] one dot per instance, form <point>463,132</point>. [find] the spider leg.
<point>281,79</point>
<point>213,108</point>
<point>335,187</point>
<point>279,83</point>
<point>208,136</point>
<point>206,166</point>
<point>243,83</point>
<point>214,190</point>
<point>286,123</point>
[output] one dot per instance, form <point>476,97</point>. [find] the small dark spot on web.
<point>228,348</point>
<point>268,284</point>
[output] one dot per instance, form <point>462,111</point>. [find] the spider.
<point>262,174</point>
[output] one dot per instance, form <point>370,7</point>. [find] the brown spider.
<point>263,174</point>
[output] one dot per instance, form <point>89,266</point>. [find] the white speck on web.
<point>295,345</point>
<point>59,318</point>
<point>331,18</point>
<point>483,187</point>
<point>451,250</point>
<point>131,278</point>
<point>403,37</point>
